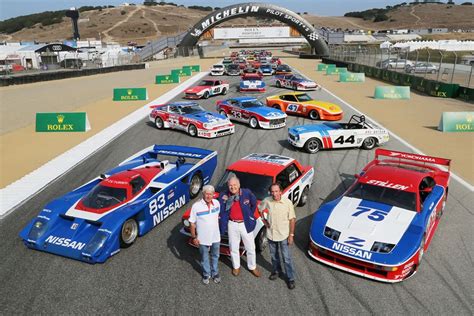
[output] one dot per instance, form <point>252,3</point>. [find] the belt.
<point>236,221</point>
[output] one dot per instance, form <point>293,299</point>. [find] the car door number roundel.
<point>292,107</point>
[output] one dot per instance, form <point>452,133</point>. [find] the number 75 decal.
<point>374,214</point>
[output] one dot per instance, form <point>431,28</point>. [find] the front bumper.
<point>253,89</point>
<point>298,143</point>
<point>217,131</point>
<point>331,117</point>
<point>192,96</point>
<point>273,123</point>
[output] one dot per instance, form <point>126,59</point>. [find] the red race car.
<point>257,172</point>
<point>207,88</point>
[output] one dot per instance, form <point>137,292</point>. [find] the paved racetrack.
<point>160,273</point>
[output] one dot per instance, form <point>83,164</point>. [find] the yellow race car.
<point>302,104</point>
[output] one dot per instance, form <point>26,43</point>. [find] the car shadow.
<point>284,143</point>
<point>178,245</point>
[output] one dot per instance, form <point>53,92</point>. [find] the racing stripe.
<point>329,142</point>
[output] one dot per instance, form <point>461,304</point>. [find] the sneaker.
<point>217,279</point>
<point>205,280</point>
<point>274,276</point>
<point>291,285</point>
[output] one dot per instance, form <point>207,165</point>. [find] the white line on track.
<point>23,189</point>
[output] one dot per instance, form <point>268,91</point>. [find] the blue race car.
<point>266,70</point>
<point>252,82</point>
<point>253,112</point>
<point>96,220</point>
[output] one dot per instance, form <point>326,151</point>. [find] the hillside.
<point>142,23</point>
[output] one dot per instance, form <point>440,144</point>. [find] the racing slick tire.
<point>313,114</point>
<point>192,130</point>
<point>369,143</point>
<point>128,233</point>
<point>224,91</point>
<point>261,241</point>
<point>303,197</point>
<point>276,106</point>
<point>422,250</point>
<point>278,84</point>
<point>253,122</point>
<point>159,123</point>
<point>206,95</point>
<point>441,211</point>
<point>195,185</point>
<point>312,145</point>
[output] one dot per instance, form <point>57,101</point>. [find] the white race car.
<point>217,70</point>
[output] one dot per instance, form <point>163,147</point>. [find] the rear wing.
<point>171,150</point>
<point>411,157</point>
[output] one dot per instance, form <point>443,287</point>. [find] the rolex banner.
<point>457,122</point>
<point>324,67</point>
<point>351,77</point>
<point>62,122</point>
<point>194,68</point>
<point>335,70</point>
<point>165,79</point>
<point>130,94</point>
<point>392,92</point>
<point>181,72</point>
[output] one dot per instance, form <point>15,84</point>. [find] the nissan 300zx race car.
<point>305,105</point>
<point>253,112</point>
<point>295,83</point>
<point>191,118</point>
<point>207,88</point>
<point>383,224</point>
<point>257,172</point>
<point>252,82</point>
<point>356,133</point>
<point>96,220</point>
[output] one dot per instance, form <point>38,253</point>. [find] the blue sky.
<point>12,8</point>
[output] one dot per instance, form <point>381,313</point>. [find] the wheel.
<point>222,112</point>
<point>314,115</point>
<point>261,241</point>
<point>253,122</point>
<point>278,84</point>
<point>159,123</point>
<point>224,91</point>
<point>128,233</point>
<point>195,186</point>
<point>276,106</point>
<point>206,95</point>
<point>312,145</point>
<point>422,250</point>
<point>443,206</point>
<point>412,71</point>
<point>369,143</point>
<point>433,71</point>
<point>192,130</point>
<point>303,197</point>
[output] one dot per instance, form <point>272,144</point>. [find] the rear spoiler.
<point>411,157</point>
<point>156,106</point>
<point>182,151</point>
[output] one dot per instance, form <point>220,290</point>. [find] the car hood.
<point>208,117</point>
<point>267,112</point>
<point>311,128</point>
<point>197,89</point>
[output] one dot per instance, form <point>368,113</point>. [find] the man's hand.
<point>290,240</point>
<point>196,242</point>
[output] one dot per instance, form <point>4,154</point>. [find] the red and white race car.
<point>295,82</point>
<point>257,172</point>
<point>207,88</point>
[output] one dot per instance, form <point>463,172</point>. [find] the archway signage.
<point>263,10</point>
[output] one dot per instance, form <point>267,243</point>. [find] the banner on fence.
<point>62,122</point>
<point>457,122</point>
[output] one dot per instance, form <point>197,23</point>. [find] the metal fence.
<point>443,66</point>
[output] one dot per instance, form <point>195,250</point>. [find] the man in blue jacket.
<point>238,220</point>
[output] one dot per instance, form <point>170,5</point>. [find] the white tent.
<point>386,45</point>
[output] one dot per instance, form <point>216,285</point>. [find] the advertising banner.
<point>181,72</point>
<point>335,70</point>
<point>392,92</point>
<point>444,90</point>
<point>351,77</point>
<point>251,32</point>
<point>466,93</point>
<point>165,79</point>
<point>62,122</point>
<point>130,94</point>
<point>457,122</point>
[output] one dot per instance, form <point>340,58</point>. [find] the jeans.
<point>275,248</point>
<point>209,268</point>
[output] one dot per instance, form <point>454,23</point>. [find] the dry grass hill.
<point>140,23</point>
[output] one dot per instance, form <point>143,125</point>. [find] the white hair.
<point>208,188</point>
<point>232,176</point>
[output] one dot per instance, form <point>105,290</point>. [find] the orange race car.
<point>303,104</point>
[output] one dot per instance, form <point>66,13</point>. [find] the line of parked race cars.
<point>379,228</point>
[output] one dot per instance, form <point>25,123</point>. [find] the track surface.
<point>160,273</point>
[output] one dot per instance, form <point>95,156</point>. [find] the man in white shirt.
<point>204,219</point>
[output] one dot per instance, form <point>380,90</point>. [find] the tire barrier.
<point>63,74</point>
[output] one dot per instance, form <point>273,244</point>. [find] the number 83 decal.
<point>374,214</point>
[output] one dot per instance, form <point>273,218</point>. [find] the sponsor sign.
<point>351,77</point>
<point>194,68</point>
<point>457,122</point>
<point>165,79</point>
<point>466,93</point>
<point>324,67</point>
<point>444,90</point>
<point>181,72</point>
<point>62,122</point>
<point>251,32</point>
<point>130,94</point>
<point>392,92</point>
<point>335,70</point>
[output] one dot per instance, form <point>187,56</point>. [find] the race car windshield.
<point>283,67</point>
<point>192,109</point>
<point>304,97</point>
<point>104,197</point>
<point>256,183</point>
<point>398,198</point>
<point>233,66</point>
<point>252,104</point>
<point>207,83</point>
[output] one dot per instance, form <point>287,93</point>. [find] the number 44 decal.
<point>340,140</point>
<point>374,215</point>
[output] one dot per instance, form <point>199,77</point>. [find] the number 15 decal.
<point>374,215</point>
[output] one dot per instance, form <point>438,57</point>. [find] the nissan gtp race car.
<point>207,88</point>
<point>383,224</point>
<point>295,82</point>
<point>257,172</point>
<point>303,104</point>
<point>252,82</point>
<point>356,133</point>
<point>96,220</point>
<point>251,111</point>
<point>191,118</point>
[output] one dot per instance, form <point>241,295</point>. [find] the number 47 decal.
<point>375,215</point>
